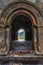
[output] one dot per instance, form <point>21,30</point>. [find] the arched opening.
<point>21,34</point>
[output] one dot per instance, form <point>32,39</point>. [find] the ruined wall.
<point>34,59</point>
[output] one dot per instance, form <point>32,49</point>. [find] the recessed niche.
<point>21,34</point>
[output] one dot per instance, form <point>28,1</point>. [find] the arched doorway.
<point>22,26</point>
<point>21,35</point>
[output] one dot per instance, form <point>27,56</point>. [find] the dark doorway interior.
<point>21,22</point>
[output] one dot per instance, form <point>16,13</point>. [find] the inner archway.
<point>22,22</point>
<point>21,35</point>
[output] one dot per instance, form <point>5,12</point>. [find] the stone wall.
<point>34,10</point>
<point>3,3</point>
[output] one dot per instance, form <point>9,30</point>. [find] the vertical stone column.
<point>35,40</point>
<point>7,38</point>
<point>41,39</point>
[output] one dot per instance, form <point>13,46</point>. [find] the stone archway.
<point>22,22</point>
<point>22,7</point>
